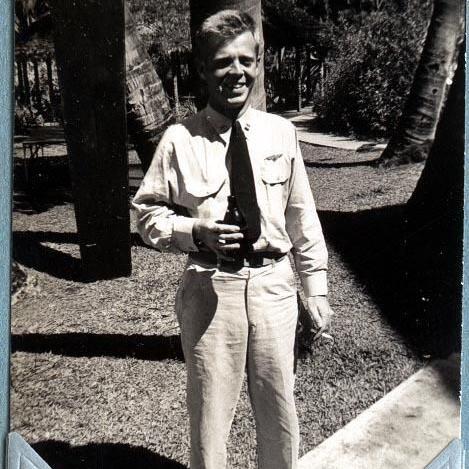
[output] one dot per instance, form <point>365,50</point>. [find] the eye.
<point>223,62</point>
<point>246,61</point>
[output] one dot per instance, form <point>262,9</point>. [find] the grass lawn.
<point>97,374</point>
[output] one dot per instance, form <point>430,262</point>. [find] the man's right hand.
<point>219,238</point>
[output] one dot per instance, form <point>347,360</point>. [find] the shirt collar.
<point>222,124</point>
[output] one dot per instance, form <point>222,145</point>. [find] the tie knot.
<point>237,129</point>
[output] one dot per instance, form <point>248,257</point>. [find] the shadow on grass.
<point>409,273</point>
<point>142,347</point>
<point>60,455</point>
<point>351,164</point>
<point>29,250</point>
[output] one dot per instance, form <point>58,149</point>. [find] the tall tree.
<point>92,80</point>
<point>416,128</point>
<point>435,225</point>
<point>149,110</point>
<point>201,9</point>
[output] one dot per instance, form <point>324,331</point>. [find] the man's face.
<point>230,72</point>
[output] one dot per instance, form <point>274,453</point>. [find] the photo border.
<point>6,150</point>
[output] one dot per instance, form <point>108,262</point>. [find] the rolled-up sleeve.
<point>304,229</point>
<point>154,210</point>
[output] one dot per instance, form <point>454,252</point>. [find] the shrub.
<point>369,69</point>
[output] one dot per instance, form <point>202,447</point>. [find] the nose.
<point>236,67</point>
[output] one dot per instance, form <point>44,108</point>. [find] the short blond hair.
<point>220,27</point>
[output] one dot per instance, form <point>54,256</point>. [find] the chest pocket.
<point>198,186</point>
<point>276,169</point>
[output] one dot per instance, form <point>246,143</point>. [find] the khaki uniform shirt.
<point>188,179</point>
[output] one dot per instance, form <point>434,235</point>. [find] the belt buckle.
<point>256,261</point>
<point>236,264</point>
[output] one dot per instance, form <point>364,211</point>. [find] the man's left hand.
<point>320,312</point>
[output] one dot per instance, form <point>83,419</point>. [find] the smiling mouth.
<point>234,87</point>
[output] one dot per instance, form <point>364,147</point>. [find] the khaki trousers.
<point>231,321</point>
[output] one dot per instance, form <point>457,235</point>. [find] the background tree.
<point>371,59</point>
<point>149,109</point>
<point>412,138</point>
<point>434,227</point>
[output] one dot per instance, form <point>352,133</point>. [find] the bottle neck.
<point>231,202</point>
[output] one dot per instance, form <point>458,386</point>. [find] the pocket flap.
<point>276,169</point>
<point>201,187</point>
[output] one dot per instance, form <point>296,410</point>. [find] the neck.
<point>232,114</point>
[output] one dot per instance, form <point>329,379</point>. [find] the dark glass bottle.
<point>233,216</point>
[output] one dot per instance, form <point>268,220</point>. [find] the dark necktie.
<point>242,183</point>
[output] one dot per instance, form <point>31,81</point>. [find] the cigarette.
<point>327,336</point>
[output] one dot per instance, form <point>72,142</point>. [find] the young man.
<point>237,305</point>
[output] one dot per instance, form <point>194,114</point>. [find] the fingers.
<point>231,236</point>
<point>316,317</point>
<point>320,313</point>
<point>317,335</point>
<point>229,247</point>
<point>219,228</point>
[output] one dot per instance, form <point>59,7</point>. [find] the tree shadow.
<point>60,455</point>
<point>29,250</point>
<point>407,270</point>
<point>347,164</point>
<point>141,347</point>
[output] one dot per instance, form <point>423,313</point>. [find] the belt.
<point>252,259</point>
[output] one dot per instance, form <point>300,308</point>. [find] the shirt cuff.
<point>315,284</point>
<point>182,234</point>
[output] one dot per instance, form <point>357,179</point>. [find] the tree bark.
<point>50,84</point>
<point>435,225</point>
<point>176,73</point>
<point>148,108</point>
<point>27,89</point>
<point>91,65</point>
<point>416,128</point>
<point>37,84</point>
<point>19,71</point>
<point>201,9</point>
<point>299,97</point>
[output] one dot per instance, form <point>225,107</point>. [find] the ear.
<point>258,63</point>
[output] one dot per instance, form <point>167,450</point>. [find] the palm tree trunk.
<point>201,9</point>
<point>148,107</point>
<point>19,71</point>
<point>175,66</point>
<point>299,97</point>
<point>37,85</point>
<point>91,66</point>
<point>27,89</point>
<point>50,85</point>
<point>435,226</point>
<point>416,129</point>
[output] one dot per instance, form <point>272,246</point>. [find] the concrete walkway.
<point>303,122</point>
<point>407,428</point>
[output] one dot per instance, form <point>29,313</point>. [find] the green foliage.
<point>164,24</point>
<point>370,66</point>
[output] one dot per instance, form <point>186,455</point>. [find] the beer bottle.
<point>233,216</point>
